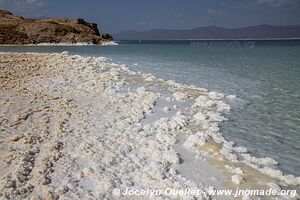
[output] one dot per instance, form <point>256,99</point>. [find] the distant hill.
<point>214,32</point>
<point>19,30</point>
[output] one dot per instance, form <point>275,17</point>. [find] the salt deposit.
<point>237,179</point>
<point>166,109</point>
<point>179,96</point>
<point>81,138</point>
<point>109,43</point>
<point>74,128</point>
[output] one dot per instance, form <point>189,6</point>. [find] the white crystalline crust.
<point>110,43</point>
<point>237,179</point>
<point>179,96</point>
<point>79,133</point>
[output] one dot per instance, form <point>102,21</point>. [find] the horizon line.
<point>171,29</point>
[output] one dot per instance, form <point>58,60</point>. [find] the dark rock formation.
<point>17,30</point>
<point>107,36</point>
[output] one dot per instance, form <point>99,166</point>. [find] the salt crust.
<point>100,138</point>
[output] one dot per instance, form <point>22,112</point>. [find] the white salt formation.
<point>76,128</point>
<point>179,96</point>
<point>237,179</point>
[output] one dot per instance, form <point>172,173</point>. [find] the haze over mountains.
<point>214,32</point>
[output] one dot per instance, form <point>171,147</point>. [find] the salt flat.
<point>78,127</point>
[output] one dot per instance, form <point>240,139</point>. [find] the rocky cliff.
<point>18,30</point>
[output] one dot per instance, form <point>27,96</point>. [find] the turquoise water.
<point>265,117</point>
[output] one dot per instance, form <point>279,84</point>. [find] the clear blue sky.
<point>117,15</point>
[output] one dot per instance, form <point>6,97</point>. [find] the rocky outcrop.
<point>18,30</point>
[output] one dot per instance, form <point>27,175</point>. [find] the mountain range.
<point>214,32</point>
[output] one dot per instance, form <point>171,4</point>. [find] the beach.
<point>76,127</point>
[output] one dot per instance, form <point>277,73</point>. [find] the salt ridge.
<point>109,144</point>
<point>265,165</point>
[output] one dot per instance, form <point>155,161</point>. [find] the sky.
<point>113,16</point>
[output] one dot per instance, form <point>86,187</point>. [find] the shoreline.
<point>108,43</point>
<point>144,116</point>
<point>234,39</point>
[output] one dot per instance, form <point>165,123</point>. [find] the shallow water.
<point>265,116</point>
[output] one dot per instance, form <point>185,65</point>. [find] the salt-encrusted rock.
<point>228,151</point>
<point>207,103</point>
<point>65,53</point>
<point>215,95</point>
<point>195,140</point>
<point>171,156</point>
<point>168,98</point>
<point>179,96</point>
<point>178,121</point>
<point>149,77</point>
<point>222,107</point>
<point>166,109</point>
<point>240,149</point>
<point>141,90</point>
<point>215,116</point>
<point>200,117</point>
<point>172,171</point>
<point>101,59</point>
<point>238,170</point>
<point>237,179</point>
<point>132,73</point>
<point>235,170</point>
<point>259,162</point>
<point>230,97</point>
<point>203,101</point>
<point>166,138</point>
